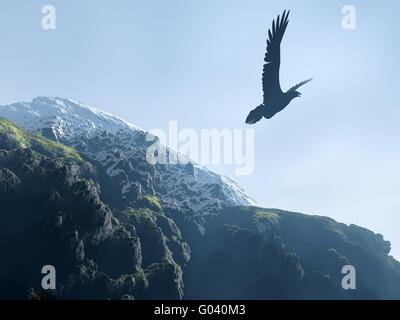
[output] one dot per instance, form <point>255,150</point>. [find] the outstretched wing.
<point>270,78</point>
<point>294,88</point>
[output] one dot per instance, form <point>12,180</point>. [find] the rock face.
<point>51,213</point>
<point>9,182</point>
<point>250,252</point>
<point>119,150</point>
<point>65,208</point>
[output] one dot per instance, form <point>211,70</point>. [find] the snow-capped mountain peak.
<point>67,117</point>
<point>119,148</point>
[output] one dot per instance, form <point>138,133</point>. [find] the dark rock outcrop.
<point>56,208</point>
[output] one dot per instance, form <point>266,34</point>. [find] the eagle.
<point>274,99</point>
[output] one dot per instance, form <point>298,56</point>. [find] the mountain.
<point>76,192</point>
<point>119,148</point>
<point>52,213</point>
<point>257,253</point>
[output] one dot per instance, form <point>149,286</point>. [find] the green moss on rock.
<point>11,136</point>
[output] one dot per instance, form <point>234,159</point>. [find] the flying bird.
<point>274,99</point>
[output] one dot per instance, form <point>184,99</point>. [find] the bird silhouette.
<point>274,99</point>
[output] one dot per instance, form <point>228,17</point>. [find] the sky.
<point>333,152</point>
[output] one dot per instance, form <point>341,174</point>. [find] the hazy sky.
<point>334,152</point>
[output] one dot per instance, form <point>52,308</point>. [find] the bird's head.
<point>296,94</point>
<point>293,94</point>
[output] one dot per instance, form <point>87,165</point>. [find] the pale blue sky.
<point>335,151</point>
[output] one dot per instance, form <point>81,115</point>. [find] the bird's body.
<point>274,99</point>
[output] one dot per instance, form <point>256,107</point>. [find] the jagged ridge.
<point>53,212</point>
<point>120,148</point>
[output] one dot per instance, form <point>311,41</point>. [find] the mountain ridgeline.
<point>77,193</point>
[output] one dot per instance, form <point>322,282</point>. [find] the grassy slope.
<point>35,141</point>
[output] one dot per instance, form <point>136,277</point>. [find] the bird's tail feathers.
<point>255,115</point>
